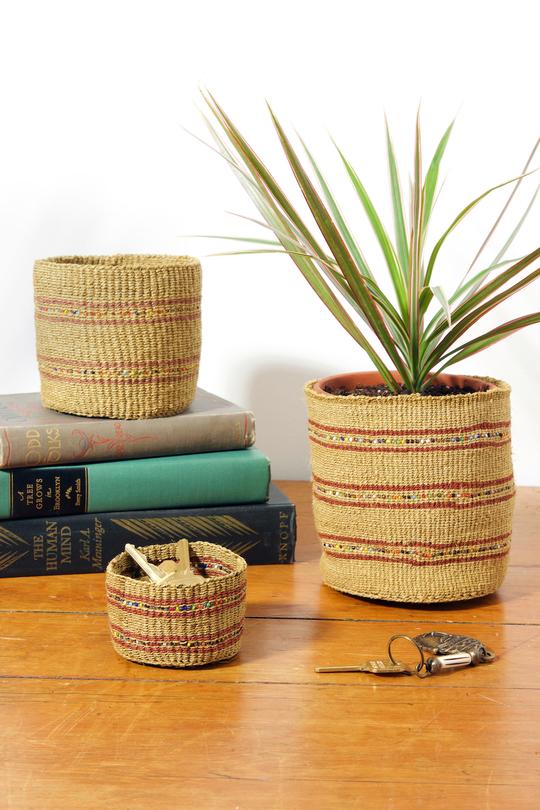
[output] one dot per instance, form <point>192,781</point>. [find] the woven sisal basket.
<point>412,495</point>
<point>178,626</point>
<point>118,336</point>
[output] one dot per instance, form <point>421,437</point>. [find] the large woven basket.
<point>118,336</point>
<point>178,626</point>
<point>412,495</point>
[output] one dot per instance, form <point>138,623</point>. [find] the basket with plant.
<point>412,473</point>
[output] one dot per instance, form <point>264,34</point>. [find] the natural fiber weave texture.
<point>178,626</point>
<point>413,495</point>
<point>118,336</point>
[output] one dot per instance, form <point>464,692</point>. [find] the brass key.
<point>379,666</point>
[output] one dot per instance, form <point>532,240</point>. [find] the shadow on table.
<point>463,604</point>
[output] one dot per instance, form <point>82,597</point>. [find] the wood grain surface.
<point>83,729</point>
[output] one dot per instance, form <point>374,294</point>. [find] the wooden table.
<point>82,729</point>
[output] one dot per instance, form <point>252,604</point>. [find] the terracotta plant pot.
<point>118,336</point>
<point>412,495</point>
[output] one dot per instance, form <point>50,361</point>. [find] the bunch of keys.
<point>447,651</point>
<point>168,572</point>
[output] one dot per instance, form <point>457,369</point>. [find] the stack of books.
<point>74,490</point>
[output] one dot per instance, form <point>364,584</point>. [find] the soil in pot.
<point>438,390</point>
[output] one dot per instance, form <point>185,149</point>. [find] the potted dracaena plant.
<point>412,474</point>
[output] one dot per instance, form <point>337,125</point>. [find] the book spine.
<point>204,479</point>
<point>94,440</point>
<point>84,544</point>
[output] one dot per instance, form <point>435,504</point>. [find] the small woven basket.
<point>178,625</point>
<point>412,495</point>
<point>118,336</point>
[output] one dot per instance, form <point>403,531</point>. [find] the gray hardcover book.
<point>31,435</point>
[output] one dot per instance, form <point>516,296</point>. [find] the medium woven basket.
<point>178,625</point>
<point>413,495</point>
<point>118,336</point>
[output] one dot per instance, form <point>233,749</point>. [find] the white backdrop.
<point>94,160</point>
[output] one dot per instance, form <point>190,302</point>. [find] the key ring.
<point>420,666</point>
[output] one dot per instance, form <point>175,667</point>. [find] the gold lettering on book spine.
<point>42,449</point>
<point>51,545</point>
<point>284,537</point>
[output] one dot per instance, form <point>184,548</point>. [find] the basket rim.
<point>240,566</point>
<point>140,262</point>
<point>497,388</point>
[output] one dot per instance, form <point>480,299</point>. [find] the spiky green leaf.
<point>432,174</point>
<point>333,238</point>
<point>482,342</point>
<point>348,238</point>
<point>461,216</point>
<point>380,232</point>
<point>397,204</point>
<point>439,293</point>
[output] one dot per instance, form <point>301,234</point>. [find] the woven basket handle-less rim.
<point>118,336</point>
<point>183,626</point>
<point>412,495</point>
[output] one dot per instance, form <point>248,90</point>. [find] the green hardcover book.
<point>203,479</point>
